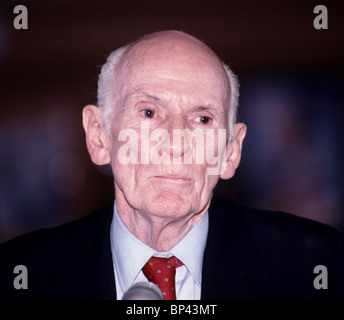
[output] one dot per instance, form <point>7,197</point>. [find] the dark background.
<point>291,99</point>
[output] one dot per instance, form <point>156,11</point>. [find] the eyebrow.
<point>139,95</point>
<point>144,94</point>
<point>211,108</point>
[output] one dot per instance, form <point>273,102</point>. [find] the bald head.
<point>181,47</point>
<point>168,54</point>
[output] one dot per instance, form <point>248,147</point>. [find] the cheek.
<point>122,155</point>
<point>215,141</point>
<point>205,181</point>
<point>210,182</point>
<point>204,189</point>
<point>215,155</point>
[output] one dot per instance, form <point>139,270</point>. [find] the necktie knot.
<point>161,271</point>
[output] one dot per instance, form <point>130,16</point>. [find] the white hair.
<point>233,99</point>
<point>108,83</point>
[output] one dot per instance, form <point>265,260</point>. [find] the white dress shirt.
<point>129,255</point>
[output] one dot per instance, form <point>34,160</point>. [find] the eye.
<point>148,113</point>
<point>203,119</point>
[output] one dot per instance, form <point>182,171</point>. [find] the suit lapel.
<point>88,267</point>
<point>230,259</point>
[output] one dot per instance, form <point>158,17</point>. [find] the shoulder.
<point>55,256</point>
<point>61,236</point>
<point>274,227</point>
<point>277,251</point>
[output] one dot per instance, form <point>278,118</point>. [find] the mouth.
<point>172,178</point>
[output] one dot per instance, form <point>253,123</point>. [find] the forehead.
<point>175,67</point>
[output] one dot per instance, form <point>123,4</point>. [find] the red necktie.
<point>161,271</point>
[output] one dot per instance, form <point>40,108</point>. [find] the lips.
<point>172,177</point>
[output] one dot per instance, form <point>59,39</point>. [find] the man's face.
<point>161,92</point>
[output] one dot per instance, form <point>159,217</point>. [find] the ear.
<point>97,138</point>
<point>233,151</point>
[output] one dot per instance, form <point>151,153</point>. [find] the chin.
<point>170,204</point>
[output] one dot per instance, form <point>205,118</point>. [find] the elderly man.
<point>165,122</point>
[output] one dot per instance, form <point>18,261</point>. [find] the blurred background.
<point>291,79</point>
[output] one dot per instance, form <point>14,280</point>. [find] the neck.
<point>156,231</point>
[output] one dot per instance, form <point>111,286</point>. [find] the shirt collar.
<point>130,254</point>
<point>190,249</point>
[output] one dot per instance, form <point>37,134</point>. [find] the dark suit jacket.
<point>250,254</point>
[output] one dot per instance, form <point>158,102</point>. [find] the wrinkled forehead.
<point>175,57</point>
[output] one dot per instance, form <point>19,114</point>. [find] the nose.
<point>177,144</point>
